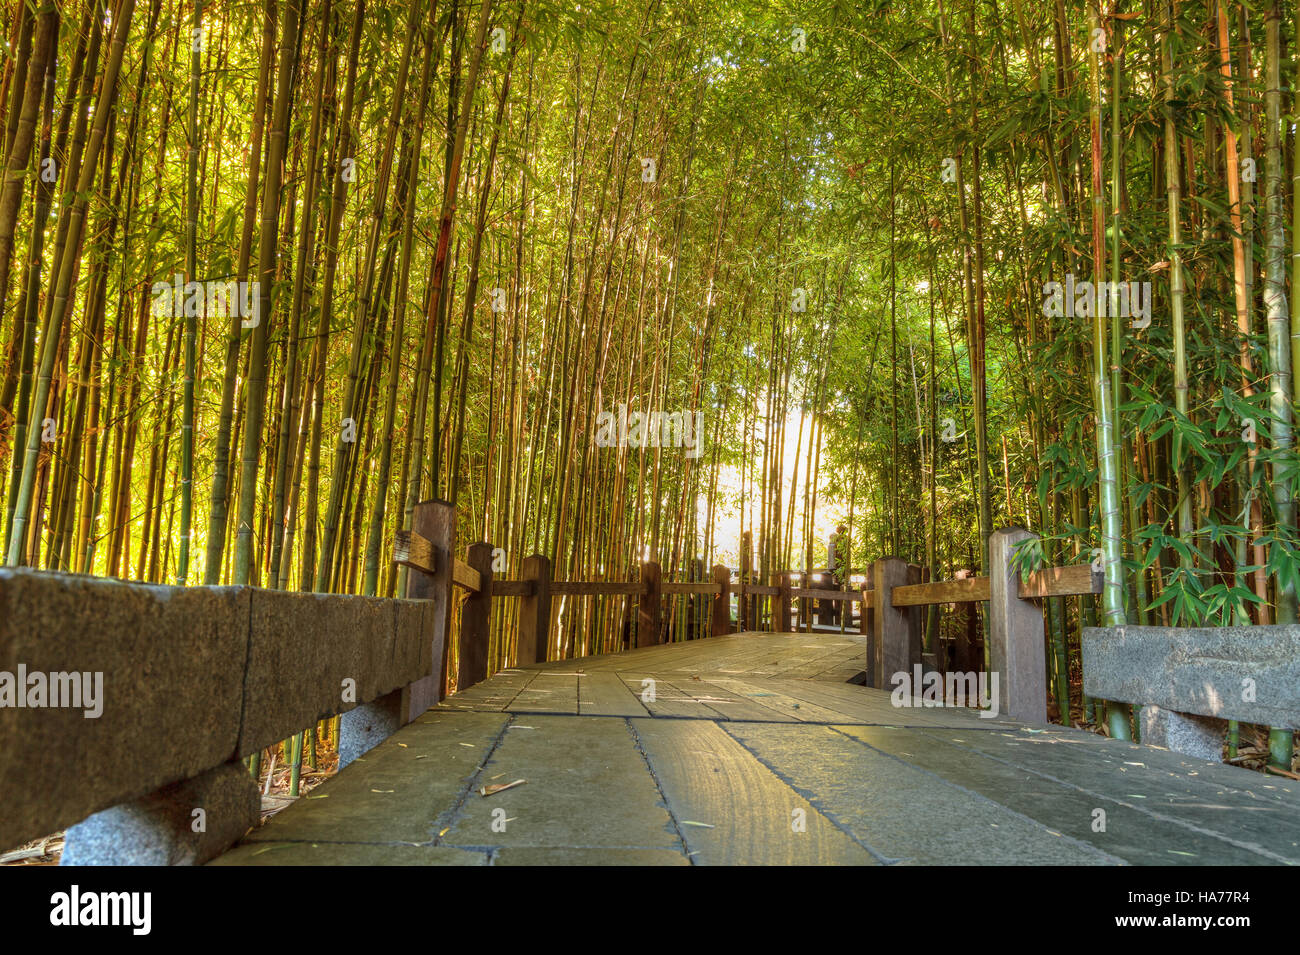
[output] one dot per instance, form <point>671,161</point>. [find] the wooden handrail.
<point>414,551</point>
<point>1066,581</point>
<point>1070,581</point>
<point>844,596</point>
<point>689,588</point>
<point>970,590</point>
<point>596,587</point>
<point>513,588</point>
<point>463,575</point>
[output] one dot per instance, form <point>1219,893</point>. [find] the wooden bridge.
<point>765,747</point>
<point>756,748</point>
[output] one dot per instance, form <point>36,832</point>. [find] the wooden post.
<point>747,603</point>
<point>534,612</point>
<point>698,603</point>
<point>1016,652</point>
<point>826,609</point>
<point>967,652</point>
<point>916,574</point>
<point>782,620</point>
<point>475,613</point>
<point>649,619</point>
<point>802,604</point>
<point>867,622</point>
<point>892,647</point>
<point>721,601</point>
<point>436,521</point>
<point>625,625</point>
<point>368,725</point>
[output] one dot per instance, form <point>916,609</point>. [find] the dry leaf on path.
<point>499,787</point>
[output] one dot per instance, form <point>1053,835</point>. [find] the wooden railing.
<point>893,629</point>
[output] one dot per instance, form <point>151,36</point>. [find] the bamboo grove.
<point>273,271</point>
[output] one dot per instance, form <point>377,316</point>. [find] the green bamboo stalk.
<point>1279,345</point>
<point>17,158</point>
<point>191,320</point>
<point>1173,189</point>
<point>1108,506</point>
<point>295,763</point>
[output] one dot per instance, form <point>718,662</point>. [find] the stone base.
<point>364,728</point>
<point>1198,736</point>
<point>160,829</point>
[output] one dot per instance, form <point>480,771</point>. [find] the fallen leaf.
<point>499,787</point>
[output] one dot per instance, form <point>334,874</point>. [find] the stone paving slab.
<point>602,693</point>
<point>901,813</point>
<point>1069,808</point>
<point>1132,776</point>
<point>726,768</point>
<point>397,792</point>
<point>733,810</point>
<point>601,794</point>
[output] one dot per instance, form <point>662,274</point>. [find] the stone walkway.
<point>758,749</point>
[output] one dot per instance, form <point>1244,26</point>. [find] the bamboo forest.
<point>588,330</point>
